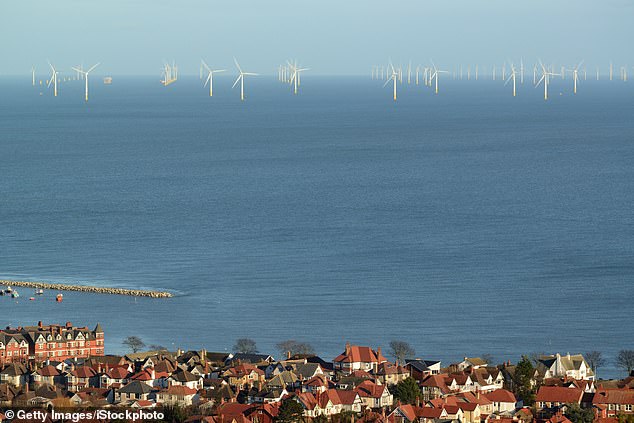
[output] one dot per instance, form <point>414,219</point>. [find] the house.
<point>434,386</point>
<point>571,366</point>
<point>613,402</point>
<point>358,358</point>
<point>7,394</point>
<point>14,374</point>
<point>420,369</point>
<point>405,413</point>
<point>263,413</point>
<point>487,379</point>
<point>244,376</point>
<point>185,378</point>
<point>549,399</point>
<point>268,396</point>
<point>93,397</point>
<point>81,378</point>
<point>58,342</point>
<point>177,395</point>
<point>134,390</point>
<point>503,400</point>
<point>391,373</point>
<point>47,375</point>
<point>472,363</point>
<point>285,380</point>
<point>116,377</point>
<point>305,371</point>
<point>373,395</point>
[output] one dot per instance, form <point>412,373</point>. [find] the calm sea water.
<point>465,223</point>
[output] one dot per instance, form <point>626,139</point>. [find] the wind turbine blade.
<point>237,80</point>
<point>208,78</point>
<point>205,65</point>
<point>91,69</point>
<point>250,73</point>
<point>219,70</point>
<point>508,79</point>
<point>388,81</point>
<point>237,65</point>
<point>540,80</point>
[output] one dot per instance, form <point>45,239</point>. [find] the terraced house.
<point>54,342</point>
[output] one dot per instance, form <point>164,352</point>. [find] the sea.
<point>467,222</point>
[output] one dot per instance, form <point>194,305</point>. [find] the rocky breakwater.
<point>88,289</point>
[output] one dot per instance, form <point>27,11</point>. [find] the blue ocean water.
<point>468,222</point>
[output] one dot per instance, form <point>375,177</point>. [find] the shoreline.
<point>88,289</point>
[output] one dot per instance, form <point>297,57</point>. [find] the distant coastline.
<point>88,289</point>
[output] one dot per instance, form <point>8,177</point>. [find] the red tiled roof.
<point>559,394</point>
<point>358,354</point>
<point>48,371</point>
<point>83,372</point>
<point>501,395</point>
<point>431,413</point>
<point>613,396</point>
<point>369,389</point>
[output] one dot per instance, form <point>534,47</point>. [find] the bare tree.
<point>595,360</point>
<point>245,346</point>
<point>401,350</point>
<point>295,347</point>
<point>625,360</point>
<point>134,343</point>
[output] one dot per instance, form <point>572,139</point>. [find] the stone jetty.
<point>88,289</point>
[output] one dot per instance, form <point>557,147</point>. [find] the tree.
<point>174,414</point>
<point>156,347</point>
<point>407,391</point>
<point>134,343</point>
<point>625,360</point>
<point>290,412</point>
<point>245,346</point>
<point>295,347</point>
<point>523,381</point>
<point>401,350</point>
<point>320,419</point>
<point>595,360</point>
<point>576,414</point>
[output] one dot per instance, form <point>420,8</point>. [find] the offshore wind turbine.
<point>295,77</point>
<point>575,77</point>
<point>435,75</point>
<point>241,78</point>
<point>512,77</point>
<point>545,78</point>
<point>85,74</point>
<point>53,79</point>
<point>210,77</point>
<point>33,75</point>
<point>392,78</point>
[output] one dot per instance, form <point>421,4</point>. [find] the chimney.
<point>288,355</point>
<point>378,352</point>
<point>68,325</point>
<point>39,324</point>
<point>347,348</point>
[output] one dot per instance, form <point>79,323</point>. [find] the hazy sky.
<point>329,36</point>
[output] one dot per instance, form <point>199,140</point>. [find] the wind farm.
<point>417,78</point>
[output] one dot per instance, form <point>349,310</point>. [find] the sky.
<point>329,36</point>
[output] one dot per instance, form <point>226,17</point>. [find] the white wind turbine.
<point>210,77</point>
<point>393,78</point>
<point>53,79</point>
<point>33,75</point>
<point>575,76</point>
<point>85,75</point>
<point>512,77</point>
<point>295,76</point>
<point>545,78</point>
<point>435,75</point>
<point>241,79</point>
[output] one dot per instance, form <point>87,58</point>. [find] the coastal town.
<point>62,366</point>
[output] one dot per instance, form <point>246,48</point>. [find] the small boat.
<point>59,298</point>
<point>31,298</point>
<point>39,292</point>
<point>8,290</point>
<point>15,294</point>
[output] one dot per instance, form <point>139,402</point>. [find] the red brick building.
<point>54,342</point>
